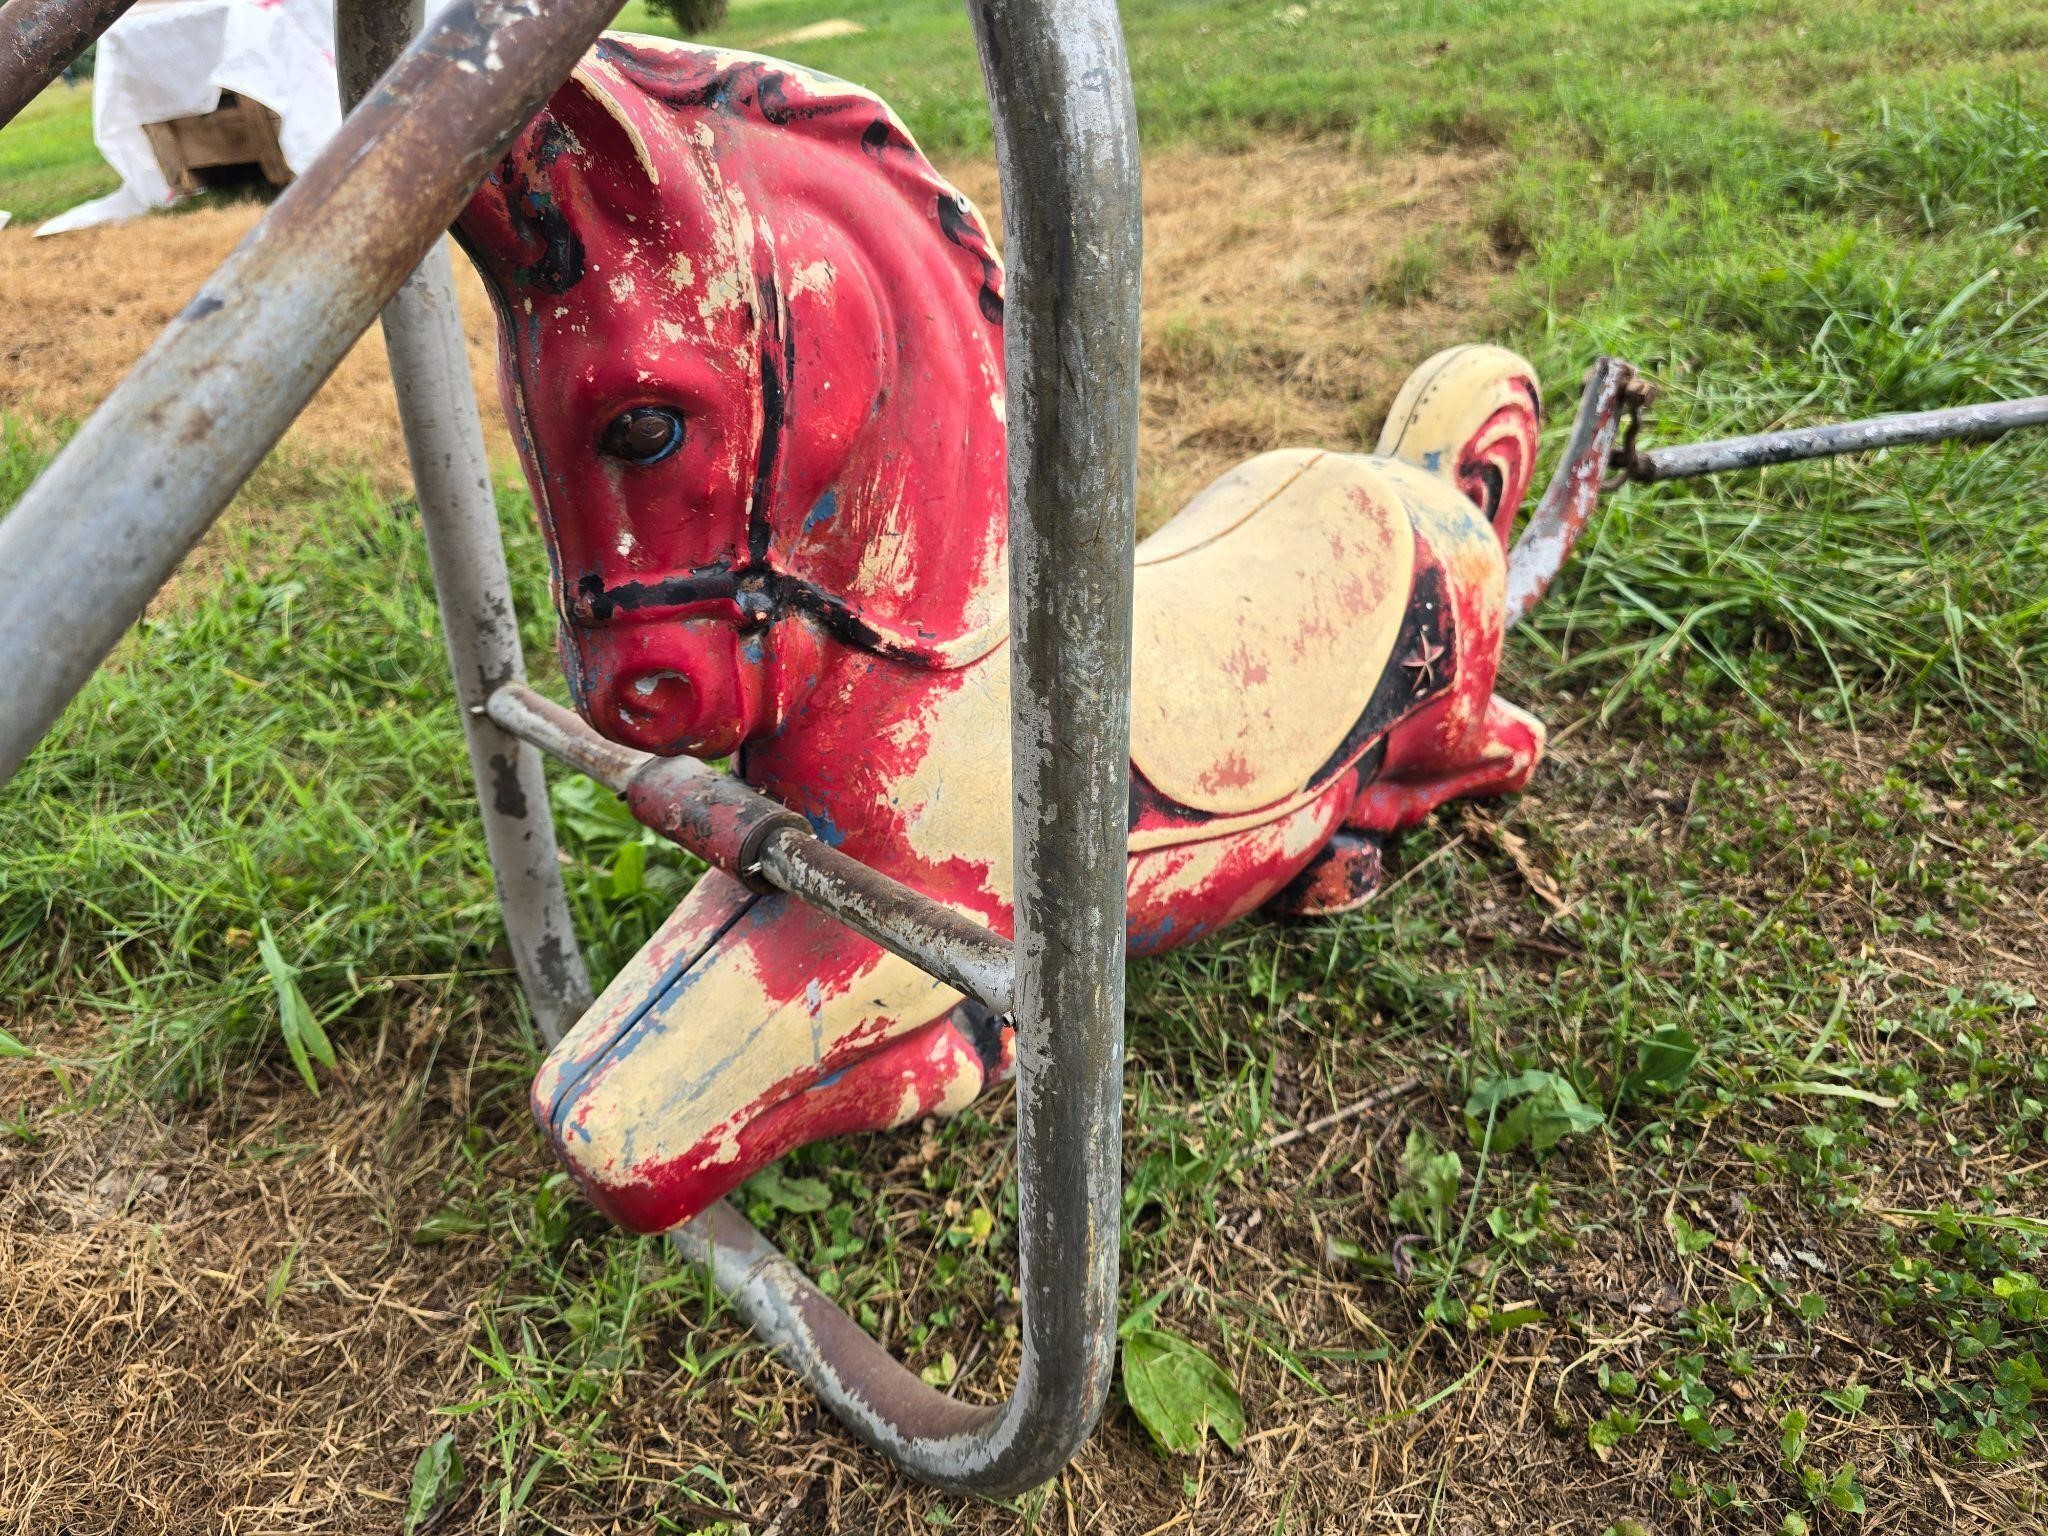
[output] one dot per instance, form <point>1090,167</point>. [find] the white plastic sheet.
<point>163,61</point>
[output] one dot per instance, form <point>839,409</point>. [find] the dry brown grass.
<point>83,307</point>
<point>139,1250</point>
<point>1270,318</point>
<point>210,1318</point>
<point>157,1374</point>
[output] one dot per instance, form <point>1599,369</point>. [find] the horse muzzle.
<point>696,686</point>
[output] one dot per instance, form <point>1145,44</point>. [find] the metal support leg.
<point>39,37</point>
<point>1066,139</point>
<point>1560,517</point>
<point>451,475</point>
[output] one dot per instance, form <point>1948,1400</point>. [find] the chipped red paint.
<point>807,573</point>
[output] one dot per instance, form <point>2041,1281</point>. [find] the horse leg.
<point>1498,757</point>
<point>1342,877</point>
<point>749,1026</point>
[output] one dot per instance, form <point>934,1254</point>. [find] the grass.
<point>1712,1203</point>
<point>47,159</point>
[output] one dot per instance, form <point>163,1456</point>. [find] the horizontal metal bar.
<point>956,949</point>
<point>562,734</point>
<point>1968,422</point>
<point>750,836</point>
<point>38,38</point>
<point>105,525</point>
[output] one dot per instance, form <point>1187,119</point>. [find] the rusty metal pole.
<point>39,37</point>
<point>1560,517</point>
<point>1962,423</point>
<point>107,523</point>
<point>451,475</point>
<point>1066,139</point>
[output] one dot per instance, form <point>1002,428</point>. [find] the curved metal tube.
<point>1560,517</point>
<point>1066,138</point>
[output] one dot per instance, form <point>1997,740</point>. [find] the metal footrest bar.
<point>751,837</point>
<point>1963,423</point>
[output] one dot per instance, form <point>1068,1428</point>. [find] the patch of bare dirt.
<point>211,1319</point>
<point>83,307</point>
<point>1288,291</point>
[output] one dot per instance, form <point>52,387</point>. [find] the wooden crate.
<point>237,132</point>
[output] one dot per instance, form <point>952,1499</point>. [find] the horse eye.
<point>647,434</point>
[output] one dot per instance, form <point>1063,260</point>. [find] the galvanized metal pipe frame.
<point>283,310</point>
<point>39,37</point>
<point>92,540</point>
<point>1066,144</point>
<point>1967,423</point>
<point>451,475</point>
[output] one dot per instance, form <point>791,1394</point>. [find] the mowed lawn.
<point>1711,1191</point>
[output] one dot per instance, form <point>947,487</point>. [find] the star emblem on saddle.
<point>1421,665</point>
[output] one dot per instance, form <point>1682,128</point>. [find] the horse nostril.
<point>654,691</point>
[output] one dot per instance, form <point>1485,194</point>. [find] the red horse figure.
<point>751,345</point>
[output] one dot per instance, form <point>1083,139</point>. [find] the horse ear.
<point>586,152</point>
<point>604,127</point>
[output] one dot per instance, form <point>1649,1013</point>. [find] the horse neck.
<point>857,756</point>
<point>919,529</point>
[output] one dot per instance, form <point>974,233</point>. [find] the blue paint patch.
<point>1150,941</point>
<point>826,509</point>
<point>1433,461</point>
<point>827,829</point>
<point>826,1082</point>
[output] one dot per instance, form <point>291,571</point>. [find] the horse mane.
<point>778,94</point>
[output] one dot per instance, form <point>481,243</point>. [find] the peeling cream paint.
<point>815,278</point>
<point>956,801</point>
<point>963,1087</point>
<point>605,85</point>
<point>1232,576</point>
<point>722,292</point>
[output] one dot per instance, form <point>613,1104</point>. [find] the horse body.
<point>751,346</point>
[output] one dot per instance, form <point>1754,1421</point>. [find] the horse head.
<point>751,346</point>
